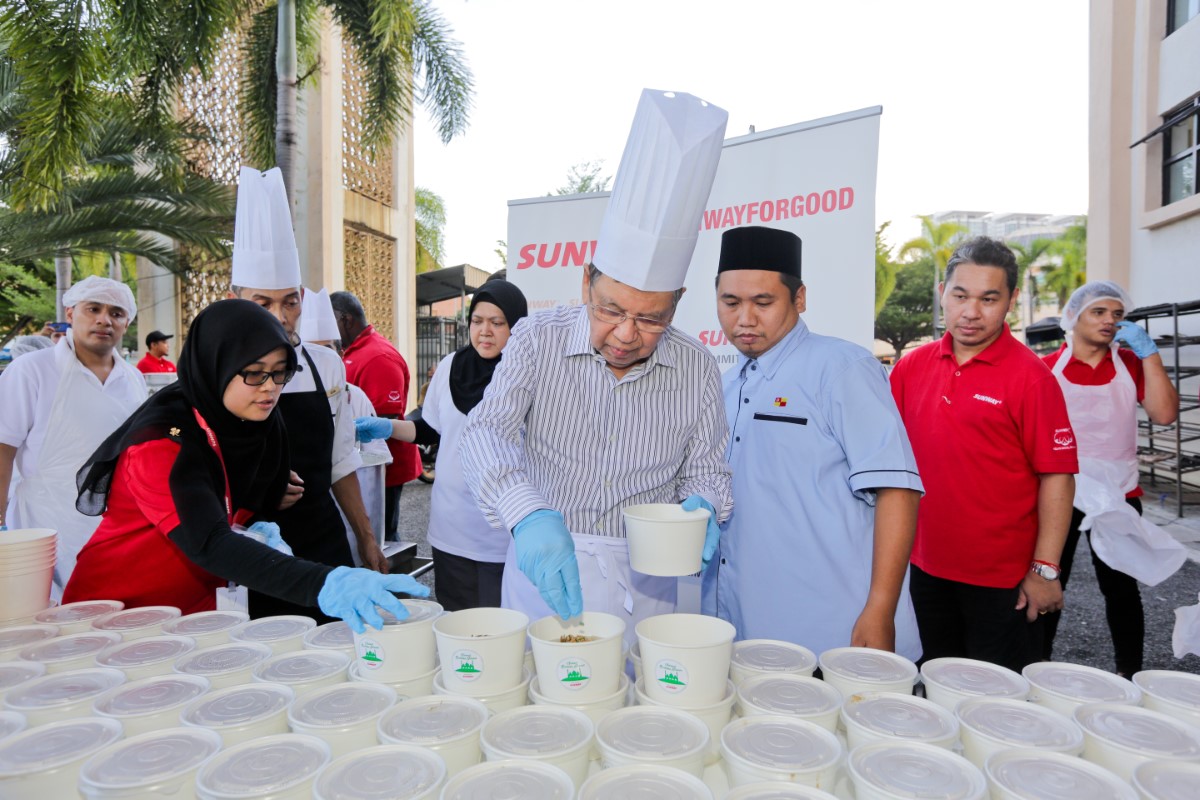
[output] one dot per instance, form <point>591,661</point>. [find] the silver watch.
<point>1046,571</point>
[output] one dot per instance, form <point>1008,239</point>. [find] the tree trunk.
<point>114,267</point>
<point>285,98</point>
<point>62,282</point>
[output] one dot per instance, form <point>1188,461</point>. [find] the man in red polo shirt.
<point>374,365</point>
<point>158,345</point>
<point>1102,395</point>
<point>996,452</point>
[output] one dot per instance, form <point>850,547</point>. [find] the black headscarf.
<point>470,373</point>
<point>224,339</point>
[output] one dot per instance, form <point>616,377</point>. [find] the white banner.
<point>815,178</point>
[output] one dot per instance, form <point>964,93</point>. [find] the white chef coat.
<point>333,376</point>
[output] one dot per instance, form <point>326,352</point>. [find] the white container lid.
<point>418,611</point>
<point>11,722</point>
<point>653,732</point>
<point>537,731</point>
<point>150,695</point>
<point>342,705</point>
<point>385,772</point>
<point>262,767</point>
<point>204,622</point>
<point>335,635</point>
<point>14,673</point>
<point>865,664</point>
<point>132,767</point>
<point>223,658</point>
<point>789,694</point>
<point>1028,773</point>
<point>1139,730</point>
<point>912,769</point>
<point>63,689</point>
<point>1019,724</point>
<point>54,744</point>
<point>1181,688</point>
<point>301,666</point>
<point>772,655</point>
<point>1167,780</point>
<point>67,648</point>
<point>510,779</point>
<point>272,629</point>
<point>432,720</point>
<point>777,790</point>
<point>899,715</point>
<point>149,650</point>
<point>133,619</point>
<point>781,743</point>
<point>77,612</point>
<point>644,781</point>
<point>25,635</point>
<point>1080,683</point>
<point>237,705</point>
<point>970,676</point>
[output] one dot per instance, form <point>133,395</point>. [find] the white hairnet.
<point>23,345</point>
<point>101,290</point>
<point>1089,294</point>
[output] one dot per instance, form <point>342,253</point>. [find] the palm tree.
<point>885,269</point>
<point>937,241</point>
<point>1071,270</point>
<point>1027,256</point>
<point>430,222</point>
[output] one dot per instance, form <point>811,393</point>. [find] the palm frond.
<point>447,84</point>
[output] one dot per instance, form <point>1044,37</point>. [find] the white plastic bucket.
<point>753,657</point>
<point>551,734</point>
<point>777,790</point>
<point>402,649</point>
<point>664,539</point>
<point>903,770</point>
<point>891,716</point>
<point>44,762</point>
<point>335,635</point>
<point>810,699</point>
<point>162,763</point>
<point>280,767</point>
<point>578,671</point>
<point>207,628</point>
<point>136,623</point>
<point>653,735</point>
<point>949,681</point>
<point>1064,687</point>
<point>1176,694</point>
<point>1166,780</point>
<point>481,650</point>
<point>864,669</point>
<point>1120,737</point>
<point>715,717</point>
<point>1024,772</point>
<point>150,704</point>
<point>147,656</point>
<point>226,664</point>
<point>345,716</point>
<point>282,634</point>
<point>74,651</point>
<point>515,697</point>
<point>304,670</point>
<point>596,710</point>
<point>449,725</point>
<point>513,778</point>
<point>992,724</point>
<point>382,772</point>
<point>416,687</point>
<point>241,713</point>
<point>77,617</point>
<point>779,748</point>
<point>16,673</point>
<point>642,781</point>
<point>685,658</point>
<point>14,640</point>
<point>63,695</point>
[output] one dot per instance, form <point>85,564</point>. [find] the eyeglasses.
<point>254,377</point>
<point>610,316</point>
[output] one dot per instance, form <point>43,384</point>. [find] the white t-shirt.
<point>333,375</point>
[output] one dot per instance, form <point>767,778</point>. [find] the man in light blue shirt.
<point>824,480</point>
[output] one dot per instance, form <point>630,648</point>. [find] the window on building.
<point>1179,12</point>
<point>1181,154</point>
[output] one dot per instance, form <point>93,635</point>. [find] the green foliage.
<point>25,291</point>
<point>1070,271</point>
<point>501,252</point>
<point>584,177</point>
<point>937,242</point>
<point>907,315</point>
<point>885,269</point>
<point>430,224</point>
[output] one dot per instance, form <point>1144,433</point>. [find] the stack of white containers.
<point>481,654</point>
<point>403,653</point>
<point>26,571</point>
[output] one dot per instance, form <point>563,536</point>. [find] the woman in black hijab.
<point>200,457</point>
<point>468,553</point>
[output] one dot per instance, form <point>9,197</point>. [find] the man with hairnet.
<point>1106,367</point>
<point>59,405</point>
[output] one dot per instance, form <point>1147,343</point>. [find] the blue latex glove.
<point>351,594</point>
<point>712,534</point>
<point>368,429</point>
<point>546,554</point>
<point>1136,338</point>
<point>270,533</point>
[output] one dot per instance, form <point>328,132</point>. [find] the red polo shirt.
<point>982,433</point>
<point>374,365</point>
<point>151,364</point>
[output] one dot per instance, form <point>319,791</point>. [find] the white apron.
<point>82,417</point>
<point>609,584</point>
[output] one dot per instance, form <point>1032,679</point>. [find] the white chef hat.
<point>1089,294</point>
<point>101,290</point>
<point>317,323</point>
<point>264,244</point>
<point>653,218</point>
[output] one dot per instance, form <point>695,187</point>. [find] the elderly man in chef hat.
<point>58,405</point>
<point>315,404</point>
<point>605,405</point>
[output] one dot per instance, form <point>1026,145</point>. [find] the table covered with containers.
<point>102,701</point>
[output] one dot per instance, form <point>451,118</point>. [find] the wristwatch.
<point>1046,570</point>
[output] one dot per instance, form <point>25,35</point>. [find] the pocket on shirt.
<point>785,418</point>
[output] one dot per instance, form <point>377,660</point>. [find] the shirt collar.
<point>360,341</point>
<point>1108,356</point>
<point>774,358</point>
<point>992,354</point>
<point>579,343</point>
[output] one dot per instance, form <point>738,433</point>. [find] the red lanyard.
<point>212,442</point>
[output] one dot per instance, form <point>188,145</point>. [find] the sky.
<point>984,104</point>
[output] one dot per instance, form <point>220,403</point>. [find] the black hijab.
<point>224,339</point>
<point>470,373</point>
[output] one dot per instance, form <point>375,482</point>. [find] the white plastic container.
<point>777,790</point>
<point>655,736</point>
<point>11,723</point>
<point>1166,780</point>
<point>863,669</point>
<point>643,781</point>
<point>63,695</point>
<point>1120,737</point>
<point>1065,687</point>
<point>403,649</point>
<point>578,672</point>
<point>811,699</point>
<point>160,763</point>
<point>514,778</point>
<point>1023,773</point>
<point>226,664</point>
<point>16,673</point>
<point>150,704</point>
<point>596,710</point>
<point>207,628</point>
<point>280,767</point>
<point>136,623</point>
<point>715,717</point>
<point>14,640</point>
<point>241,713</point>
<point>515,697</point>
<point>685,658</point>
<point>481,650</point>
<point>1176,694</point>
<point>335,635</point>
<point>383,772</point>
<point>44,762</point>
<point>891,716</point>
<point>902,770</point>
<point>416,687</point>
<point>779,748</point>
<point>664,539</point>
<point>345,716</point>
<point>992,724</point>
<point>282,634</point>
<point>304,670</point>
<point>65,653</point>
<point>146,657</point>
<point>77,617</point>
<point>552,734</point>
<point>949,681</point>
<point>752,657</point>
<point>448,725</point>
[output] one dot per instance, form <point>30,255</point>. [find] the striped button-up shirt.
<point>557,429</point>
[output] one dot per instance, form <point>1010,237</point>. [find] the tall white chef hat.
<point>667,170</point>
<point>264,245</point>
<point>101,290</point>
<point>317,323</point>
<point>1089,294</point>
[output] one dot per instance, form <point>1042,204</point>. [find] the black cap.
<point>756,247</point>
<point>156,336</point>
